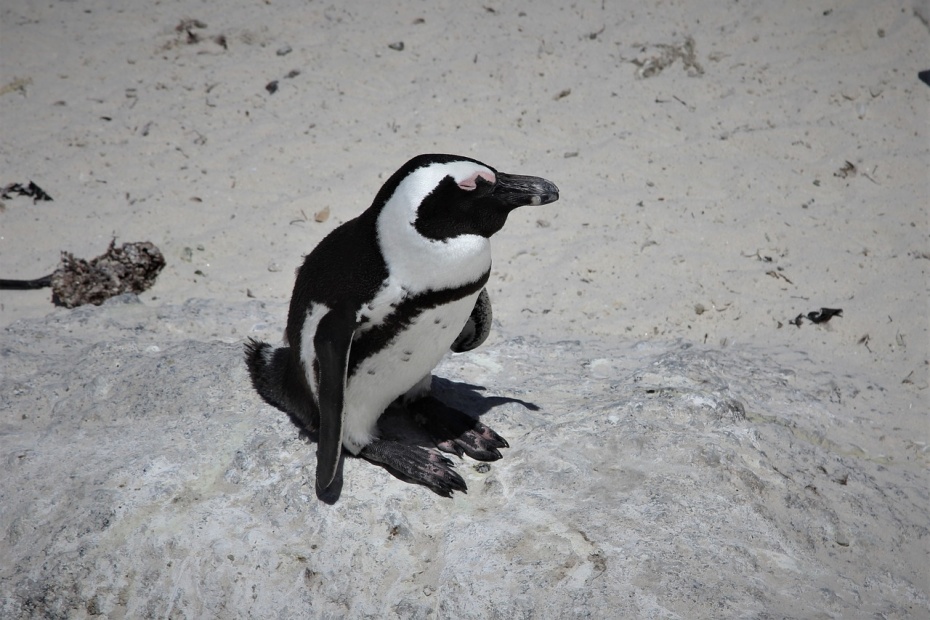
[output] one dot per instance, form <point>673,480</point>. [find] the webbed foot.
<point>456,432</point>
<point>416,464</point>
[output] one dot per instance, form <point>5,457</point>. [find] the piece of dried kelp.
<point>824,315</point>
<point>131,268</point>
<point>816,317</point>
<point>31,190</point>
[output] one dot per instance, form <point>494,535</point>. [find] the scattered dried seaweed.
<point>778,275</point>
<point>19,84</point>
<point>187,26</point>
<point>848,170</point>
<point>31,190</point>
<point>666,57</point>
<point>815,317</point>
<point>187,34</point>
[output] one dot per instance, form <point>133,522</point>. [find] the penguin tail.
<point>262,360</point>
<point>279,381</point>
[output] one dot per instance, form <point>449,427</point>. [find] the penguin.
<point>379,302</point>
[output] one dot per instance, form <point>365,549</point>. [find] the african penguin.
<point>378,303</point>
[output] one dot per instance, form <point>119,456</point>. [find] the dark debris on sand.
<point>131,268</point>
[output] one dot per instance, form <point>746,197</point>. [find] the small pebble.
<point>399,46</point>
<point>284,50</point>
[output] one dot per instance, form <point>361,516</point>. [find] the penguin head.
<point>446,196</point>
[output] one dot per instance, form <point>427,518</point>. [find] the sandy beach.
<point>725,169</point>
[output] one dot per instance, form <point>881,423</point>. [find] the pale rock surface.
<point>144,478</point>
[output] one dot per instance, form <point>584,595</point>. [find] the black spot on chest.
<point>378,337</point>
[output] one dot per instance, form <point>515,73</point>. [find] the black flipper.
<point>416,464</point>
<point>457,432</point>
<point>332,342</point>
<point>477,327</point>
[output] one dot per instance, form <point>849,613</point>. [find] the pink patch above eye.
<point>472,182</point>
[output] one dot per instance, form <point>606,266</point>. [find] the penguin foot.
<point>456,432</point>
<point>415,464</point>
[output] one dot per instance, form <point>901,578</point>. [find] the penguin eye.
<point>478,179</point>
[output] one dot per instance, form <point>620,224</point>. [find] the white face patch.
<point>421,264</point>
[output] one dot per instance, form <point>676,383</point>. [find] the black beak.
<point>515,190</point>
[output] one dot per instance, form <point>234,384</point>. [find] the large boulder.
<point>144,478</point>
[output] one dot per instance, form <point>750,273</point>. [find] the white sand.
<point>705,203</point>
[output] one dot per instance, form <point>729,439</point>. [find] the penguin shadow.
<point>469,399</point>
<point>403,426</point>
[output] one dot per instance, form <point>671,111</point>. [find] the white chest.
<point>390,372</point>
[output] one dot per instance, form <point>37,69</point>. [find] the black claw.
<point>457,483</point>
<point>451,447</point>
